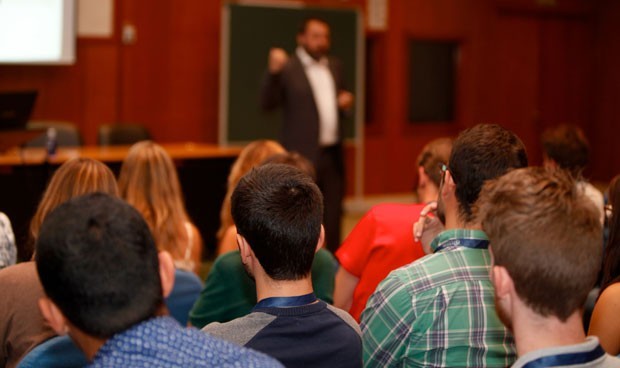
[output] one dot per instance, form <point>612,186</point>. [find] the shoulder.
<point>240,330</point>
<point>323,256</point>
<point>4,220</point>
<point>610,361</point>
<point>608,302</point>
<point>346,317</point>
<point>228,260</point>
<point>193,230</point>
<point>22,273</point>
<point>292,66</point>
<point>400,208</point>
<point>334,62</point>
<point>395,213</point>
<point>213,351</point>
<point>421,278</point>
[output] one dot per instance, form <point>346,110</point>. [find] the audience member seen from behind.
<point>252,155</point>
<point>278,211</point>
<point>438,311</point>
<point>105,284</point>
<point>545,241</point>
<point>605,322</point>
<point>382,241</point>
<point>21,324</point>
<point>8,250</point>
<point>149,182</point>
<point>567,147</point>
<point>229,293</point>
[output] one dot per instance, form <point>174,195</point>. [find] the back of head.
<point>278,209</point>
<point>547,235</point>
<point>481,153</point>
<point>568,147</point>
<point>293,159</point>
<point>148,181</point>
<point>434,154</point>
<point>75,177</point>
<point>611,265</point>
<point>98,263</point>
<point>252,155</point>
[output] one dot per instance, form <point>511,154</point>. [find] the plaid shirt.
<point>438,311</point>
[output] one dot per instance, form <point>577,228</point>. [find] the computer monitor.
<point>15,111</point>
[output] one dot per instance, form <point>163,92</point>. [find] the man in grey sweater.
<point>278,211</point>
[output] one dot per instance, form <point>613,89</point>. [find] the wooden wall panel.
<point>521,65</point>
<point>606,118</point>
<point>170,74</point>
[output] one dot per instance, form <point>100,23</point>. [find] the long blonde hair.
<point>149,182</point>
<point>75,177</point>
<point>252,155</point>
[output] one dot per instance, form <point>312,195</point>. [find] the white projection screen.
<point>37,31</point>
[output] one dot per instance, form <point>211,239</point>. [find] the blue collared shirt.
<point>162,342</point>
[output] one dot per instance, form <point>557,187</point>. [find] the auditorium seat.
<point>122,134</point>
<point>67,134</point>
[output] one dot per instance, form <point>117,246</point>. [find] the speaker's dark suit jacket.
<point>291,90</point>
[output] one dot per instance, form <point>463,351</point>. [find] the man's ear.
<point>54,317</point>
<point>166,272</point>
<point>448,182</point>
<point>321,241</point>
<point>502,282</point>
<point>422,176</point>
<point>245,251</point>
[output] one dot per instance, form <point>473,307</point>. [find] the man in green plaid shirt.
<point>439,311</point>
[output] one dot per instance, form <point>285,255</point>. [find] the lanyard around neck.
<point>286,301</point>
<point>567,359</point>
<point>467,243</point>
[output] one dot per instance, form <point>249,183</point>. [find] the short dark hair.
<point>481,153</point>
<point>278,209</point>
<point>547,234</point>
<point>98,262</point>
<point>304,23</point>
<point>568,146</point>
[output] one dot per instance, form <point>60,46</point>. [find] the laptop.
<point>15,111</point>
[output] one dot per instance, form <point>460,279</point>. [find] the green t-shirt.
<point>230,293</point>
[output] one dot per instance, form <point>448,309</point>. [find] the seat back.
<point>185,292</point>
<point>122,134</point>
<point>57,352</point>
<point>67,134</point>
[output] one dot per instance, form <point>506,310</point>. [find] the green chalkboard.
<point>249,31</point>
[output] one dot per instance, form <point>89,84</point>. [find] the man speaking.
<point>309,85</point>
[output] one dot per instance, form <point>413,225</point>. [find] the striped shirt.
<point>438,311</point>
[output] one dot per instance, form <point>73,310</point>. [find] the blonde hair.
<point>76,177</point>
<point>252,155</point>
<point>149,182</point>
